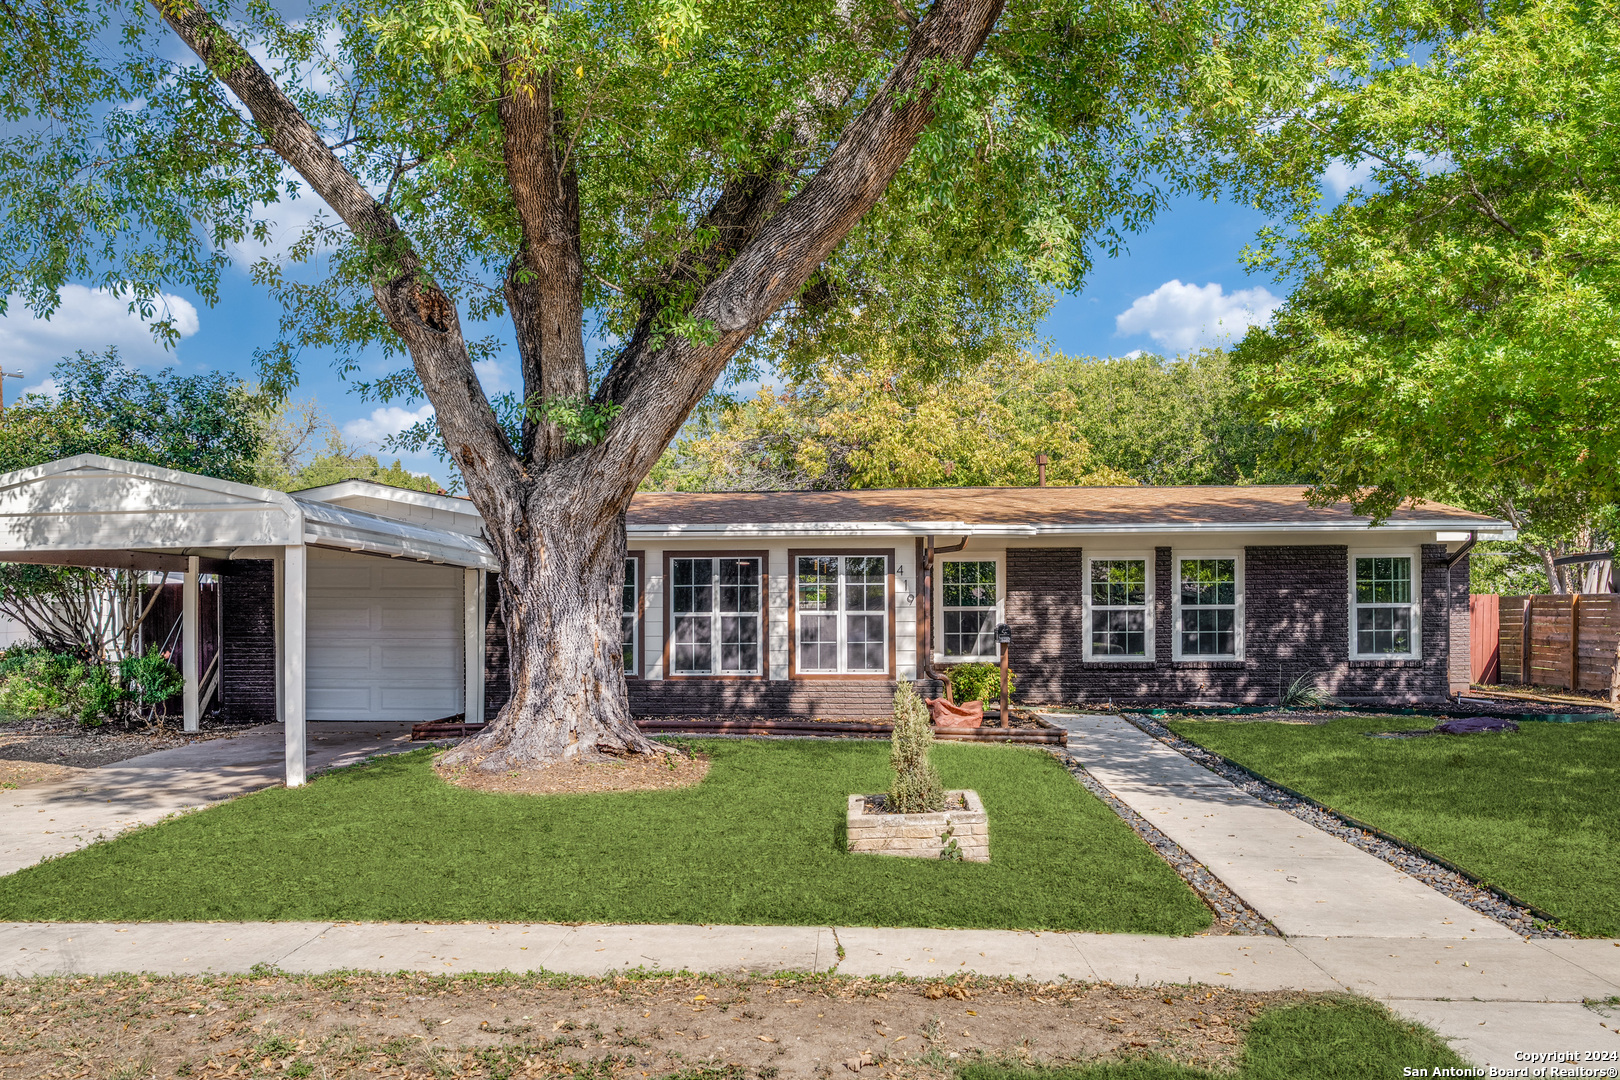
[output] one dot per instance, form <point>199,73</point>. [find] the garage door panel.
<point>334,614</point>
<point>384,639</point>
<point>416,577</point>
<point>341,658</point>
<point>424,618</point>
<point>439,701</point>
<point>352,700</point>
<point>399,659</point>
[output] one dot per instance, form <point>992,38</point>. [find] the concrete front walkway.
<point>38,822</point>
<point>1307,882</point>
<point>1493,998</point>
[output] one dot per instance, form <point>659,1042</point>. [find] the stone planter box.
<point>919,835</point>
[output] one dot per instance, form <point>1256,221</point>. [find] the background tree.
<point>206,424</point>
<point>1140,419</point>
<point>693,179</point>
<point>300,447</point>
<point>1453,320</point>
<point>864,429</point>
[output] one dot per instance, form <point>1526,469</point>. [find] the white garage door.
<point>384,638</point>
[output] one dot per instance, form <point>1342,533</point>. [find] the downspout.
<point>925,636</point>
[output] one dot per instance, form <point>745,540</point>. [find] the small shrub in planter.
<point>979,682</point>
<point>917,817</point>
<point>917,788</point>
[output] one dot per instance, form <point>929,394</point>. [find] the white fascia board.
<point>958,528</point>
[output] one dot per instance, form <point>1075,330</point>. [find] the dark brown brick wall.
<point>497,670</point>
<point>753,697</point>
<point>247,691</point>
<point>1296,615</point>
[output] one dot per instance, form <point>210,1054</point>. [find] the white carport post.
<point>472,626</point>
<point>294,590</point>
<point>191,719</point>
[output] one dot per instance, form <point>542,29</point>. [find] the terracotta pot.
<point>945,714</point>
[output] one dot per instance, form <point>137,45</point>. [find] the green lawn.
<point>1530,811</point>
<point>757,842</point>
<point>1328,1039</point>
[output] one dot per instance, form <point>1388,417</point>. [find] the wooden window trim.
<point>793,617</point>
<point>764,558</point>
<point>640,669</point>
<point>1149,559</point>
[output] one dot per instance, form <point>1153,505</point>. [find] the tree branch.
<point>417,309</point>
<point>546,288</point>
<point>658,387</point>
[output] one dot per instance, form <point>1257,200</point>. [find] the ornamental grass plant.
<point>917,788</point>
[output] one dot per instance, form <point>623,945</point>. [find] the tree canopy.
<point>196,423</point>
<point>1141,419</point>
<point>1454,320</point>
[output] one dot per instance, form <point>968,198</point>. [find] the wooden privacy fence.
<point>1574,642</point>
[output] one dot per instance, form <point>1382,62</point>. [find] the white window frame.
<point>631,652</point>
<point>1176,558</point>
<point>715,614</point>
<point>1416,606</point>
<point>841,613</point>
<point>1150,566</point>
<point>939,606</point>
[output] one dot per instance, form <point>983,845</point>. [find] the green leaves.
<point>581,421</point>
<point>1455,318</point>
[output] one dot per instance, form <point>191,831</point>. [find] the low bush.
<point>979,682</point>
<point>917,788</point>
<point>37,683</point>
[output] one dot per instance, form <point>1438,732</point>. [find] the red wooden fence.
<point>1485,638</point>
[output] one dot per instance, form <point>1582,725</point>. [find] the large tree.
<point>1454,319</point>
<point>687,180</point>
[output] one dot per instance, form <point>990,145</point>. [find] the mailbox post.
<point>1003,642</point>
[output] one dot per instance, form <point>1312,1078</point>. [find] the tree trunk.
<point>560,596</point>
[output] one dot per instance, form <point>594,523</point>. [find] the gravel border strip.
<point>1232,915</point>
<point>1439,877</point>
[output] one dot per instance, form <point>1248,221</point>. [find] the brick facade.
<point>247,689</point>
<point>1296,616</point>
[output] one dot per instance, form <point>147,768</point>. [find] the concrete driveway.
<point>53,819</point>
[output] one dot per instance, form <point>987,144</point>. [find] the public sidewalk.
<point>1493,998</point>
<point>53,819</point>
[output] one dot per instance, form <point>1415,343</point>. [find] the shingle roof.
<point>1100,507</point>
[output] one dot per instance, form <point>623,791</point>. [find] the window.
<point>842,604</point>
<point>715,609</point>
<point>627,616</point>
<point>1207,600</point>
<point>968,608</point>
<point>1118,596</point>
<point>1384,616</point>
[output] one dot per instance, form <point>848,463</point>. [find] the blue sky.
<point>1180,286</point>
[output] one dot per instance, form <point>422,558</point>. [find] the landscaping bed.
<point>347,1026</point>
<point>1522,811</point>
<point>759,841</point>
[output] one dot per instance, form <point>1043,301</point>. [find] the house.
<point>359,602</point>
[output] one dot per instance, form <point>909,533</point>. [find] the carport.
<point>90,510</point>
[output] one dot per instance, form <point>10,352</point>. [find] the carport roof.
<point>91,510</point>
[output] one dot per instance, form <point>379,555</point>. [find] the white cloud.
<point>1340,175</point>
<point>90,319</point>
<point>384,422</point>
<point>1181,317</point>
